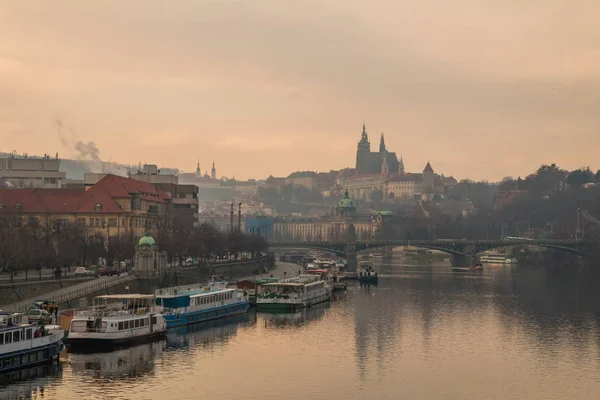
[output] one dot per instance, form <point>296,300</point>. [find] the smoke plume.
<point>87,151</point>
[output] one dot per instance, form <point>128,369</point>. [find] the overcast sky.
<point>481,88</point>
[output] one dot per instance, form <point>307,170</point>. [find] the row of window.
<point>135,323</point>
<point>22,360</point>
<point>212,298</point>
<point>16,336</point>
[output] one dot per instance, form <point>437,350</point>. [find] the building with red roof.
<point>114,206</point>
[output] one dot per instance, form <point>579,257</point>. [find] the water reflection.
<point>295,320</point>
<point>28,383</point>
<point>210,333</point>
<point>127,363</point>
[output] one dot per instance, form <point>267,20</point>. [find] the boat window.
<point>153,320</point>
<point>16,360</point>
<point>28,334</point>
<point>137,323</point>
<point>8,337</point>
<point>1,339</point>
<point>7,363</point>
<point>120,326</point>
<point>40,355</point>
<point>126,324</point>
<point>16,336</point>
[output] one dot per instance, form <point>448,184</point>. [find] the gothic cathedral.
<point>381,162</point>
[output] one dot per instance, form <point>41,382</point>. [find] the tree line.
<point>30,244</point>
<point>548,203</point>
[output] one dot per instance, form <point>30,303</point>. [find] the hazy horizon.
<point>482,90</point>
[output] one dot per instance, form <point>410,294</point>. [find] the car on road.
<point>109,272</point>
<point>39,316</point>
<point>82,271</point>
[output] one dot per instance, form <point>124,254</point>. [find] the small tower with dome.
<point>346,205</point>
<point>149,261</point>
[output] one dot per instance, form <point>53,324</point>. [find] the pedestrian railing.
<point>64,295</point>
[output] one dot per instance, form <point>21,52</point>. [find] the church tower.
<point>198,171</point>
<point>382,144</point>
<point>362,151</point>
<point>401,166</point>
<point>213,172</point>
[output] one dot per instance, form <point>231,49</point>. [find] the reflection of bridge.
<point>461,250</point>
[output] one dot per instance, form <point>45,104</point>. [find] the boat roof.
<point>211,292</point>
<point>126,297</point>
<point>260,281</point>
<point>317,271</point>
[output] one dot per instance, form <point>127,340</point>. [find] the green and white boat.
<point>293,294</point>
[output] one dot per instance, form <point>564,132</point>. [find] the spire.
<point>198,170</point>
<point>428,168</point>
<point>382,144</point>
<point>401,165</point>
<point>213,172</point>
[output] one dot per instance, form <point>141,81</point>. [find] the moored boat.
<point>293,293</point>
<point>118,319</point>
<point>366,274</point>
<point>26,345</point>
<point>190,304</point>
<point>497,258</point>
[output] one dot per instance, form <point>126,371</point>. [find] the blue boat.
<point>191,304</point>
<point>27,345</point>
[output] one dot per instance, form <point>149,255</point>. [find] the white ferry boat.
<point>25,345</point>
<point>190,304</point>
<point>335,276</point>
<point>116,319</point>
<point>293,293</point>
<point>496,258</point>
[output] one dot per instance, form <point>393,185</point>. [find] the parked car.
<point>107,271</point>
<point>82,271</point>
<point>39,316</point>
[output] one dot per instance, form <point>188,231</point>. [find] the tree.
<point>579,177</point>
<point>598,177</point>
<point>507,184</point>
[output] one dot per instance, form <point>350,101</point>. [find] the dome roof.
<point>346,202</point>
<point>147,240</point>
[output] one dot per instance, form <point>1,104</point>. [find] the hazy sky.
<point>481,88</point>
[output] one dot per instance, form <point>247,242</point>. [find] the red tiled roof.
<point>118,186</point>
<point>42,201</point>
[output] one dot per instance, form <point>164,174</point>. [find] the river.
<point>422,333</point>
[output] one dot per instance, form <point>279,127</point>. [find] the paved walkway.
<point>70,292</point>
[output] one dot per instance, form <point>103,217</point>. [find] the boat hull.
<point>175,320</point>
<point>95,344</point>
<point>31,357</point>
<point>275,306</point>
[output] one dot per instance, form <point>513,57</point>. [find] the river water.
<point>422,333</point>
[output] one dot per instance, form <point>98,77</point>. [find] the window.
<point>98,207</point>
<point>8,338</point>
<point>137,323</point>
<point>112,222</point>
<point>120,326</point>
<point>1,339</point>
<point>40,355</point>
<point>153,320</point>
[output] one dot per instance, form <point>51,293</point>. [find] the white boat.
<point>293,293</point>
<point>25,345</point>
<point>496,258</point>
<point>116,319</point>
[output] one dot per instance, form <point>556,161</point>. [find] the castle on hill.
<point>380,162</point>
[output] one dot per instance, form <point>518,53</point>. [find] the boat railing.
<point>114,312</point>
<point>179,289</point>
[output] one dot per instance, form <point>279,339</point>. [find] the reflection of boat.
<point>133,361</point>
<point>29,382</point>
<point>496,258</point>
<point>204,333</point>
<point>115,320</point>
<point>26,345</point>
<point>189,304</point>
<point>472,268</point>
<point>293,293</point>
<point>287,320</point>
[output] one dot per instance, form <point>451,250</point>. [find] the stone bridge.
<point>462,251</point>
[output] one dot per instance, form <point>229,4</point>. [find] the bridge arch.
<point>329,248</point>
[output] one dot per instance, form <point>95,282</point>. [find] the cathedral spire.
<point>382,144</point>
<point>213,172</point>
<point>401,166</point>
<point>198,171</point>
